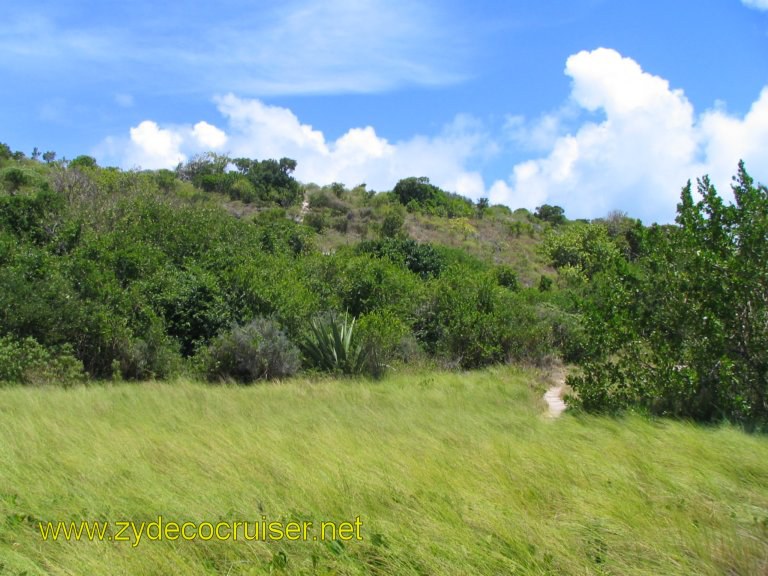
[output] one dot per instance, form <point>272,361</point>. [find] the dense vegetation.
<point>231,269</point>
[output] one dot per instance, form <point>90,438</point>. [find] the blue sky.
<point>594,105</point>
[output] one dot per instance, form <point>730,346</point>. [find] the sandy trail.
<point>554,395</point>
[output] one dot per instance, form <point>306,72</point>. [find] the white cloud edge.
<point>756,4</point>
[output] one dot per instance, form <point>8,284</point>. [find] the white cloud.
<point>257,130</point>
<point>151,147</point>
<point>640,154</point>
<point>208,136</point>
<point>728,139</point>
<point>757,4</point>
<point>624,140</point>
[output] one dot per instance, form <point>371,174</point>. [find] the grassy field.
<point>448,473</point>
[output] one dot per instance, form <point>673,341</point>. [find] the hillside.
<point>228,269</point>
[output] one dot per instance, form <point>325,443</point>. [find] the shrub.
<point>507,277</point>
<point>330,346</point>
<point>154,355</point>
<point>27,362</point>
<point>383,336</point>
<point>317,221</point>
<point>259,350</point>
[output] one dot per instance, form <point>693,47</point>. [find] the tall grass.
<point>449,473</point>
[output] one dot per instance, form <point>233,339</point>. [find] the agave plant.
<point>329,345</point>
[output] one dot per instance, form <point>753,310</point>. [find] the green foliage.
<point>328,199</point>
<point>278,235</point>
<point>154,354</point>
<point>31,216</point>
<point>5,153</point>
<point>482,207</point>
<point>330,345</point>
<point>465,320</point>
<point>628,233</point>
<point>687,336</point>
<point>25,361</point>
<point>259,350</point>
<point>384,336</point>
<point>83,163</point>
<point>192,305</point>
<point>16,179</point>
<point>417,194</point>
<point>586,248</point>
<point>507,277</point>
<point>393,222</point>
<point>266,181</point>
<point>421,259</point>
<point>555,215</point>
<point>366,283</point>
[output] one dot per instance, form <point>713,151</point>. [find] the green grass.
<point>449,473</point>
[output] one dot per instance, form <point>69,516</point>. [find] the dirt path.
<point>554,394</point>
<point>304,209</point>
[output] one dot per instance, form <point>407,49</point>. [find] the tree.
<point>83,162</point>
<point>393,222</point>
<point>555,215</point>
<point>415,189</point>
<point>14,178</point>
<point>5,152</point>
<point>482,206</point>
<point>688,336</point>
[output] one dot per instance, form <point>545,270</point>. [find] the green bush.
<point>383,335</point>
<point>153,355</point>
<point>331,346</point>
<point>260,350</point>
<point>27,362</point>
<point>686,334</point>
<point>507,277</point>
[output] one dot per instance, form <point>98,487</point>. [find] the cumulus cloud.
<point>648,143</point>
<point>257,130</point>
<point>152,147</point>
<point>757,4</point>
<point>624,139</point>
<point>208,136</point>
<point>728,138</point>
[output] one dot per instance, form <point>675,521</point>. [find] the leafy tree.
<point>415,189</point>
<point>555,215</point>
<point>83,162</point>
<point>687,336</point>
<point>586,249</point>
<point>482,207</point>
<point>417,194</point>
<point>14,178</point>
<point>393,222</point>
<point>5,152</point>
